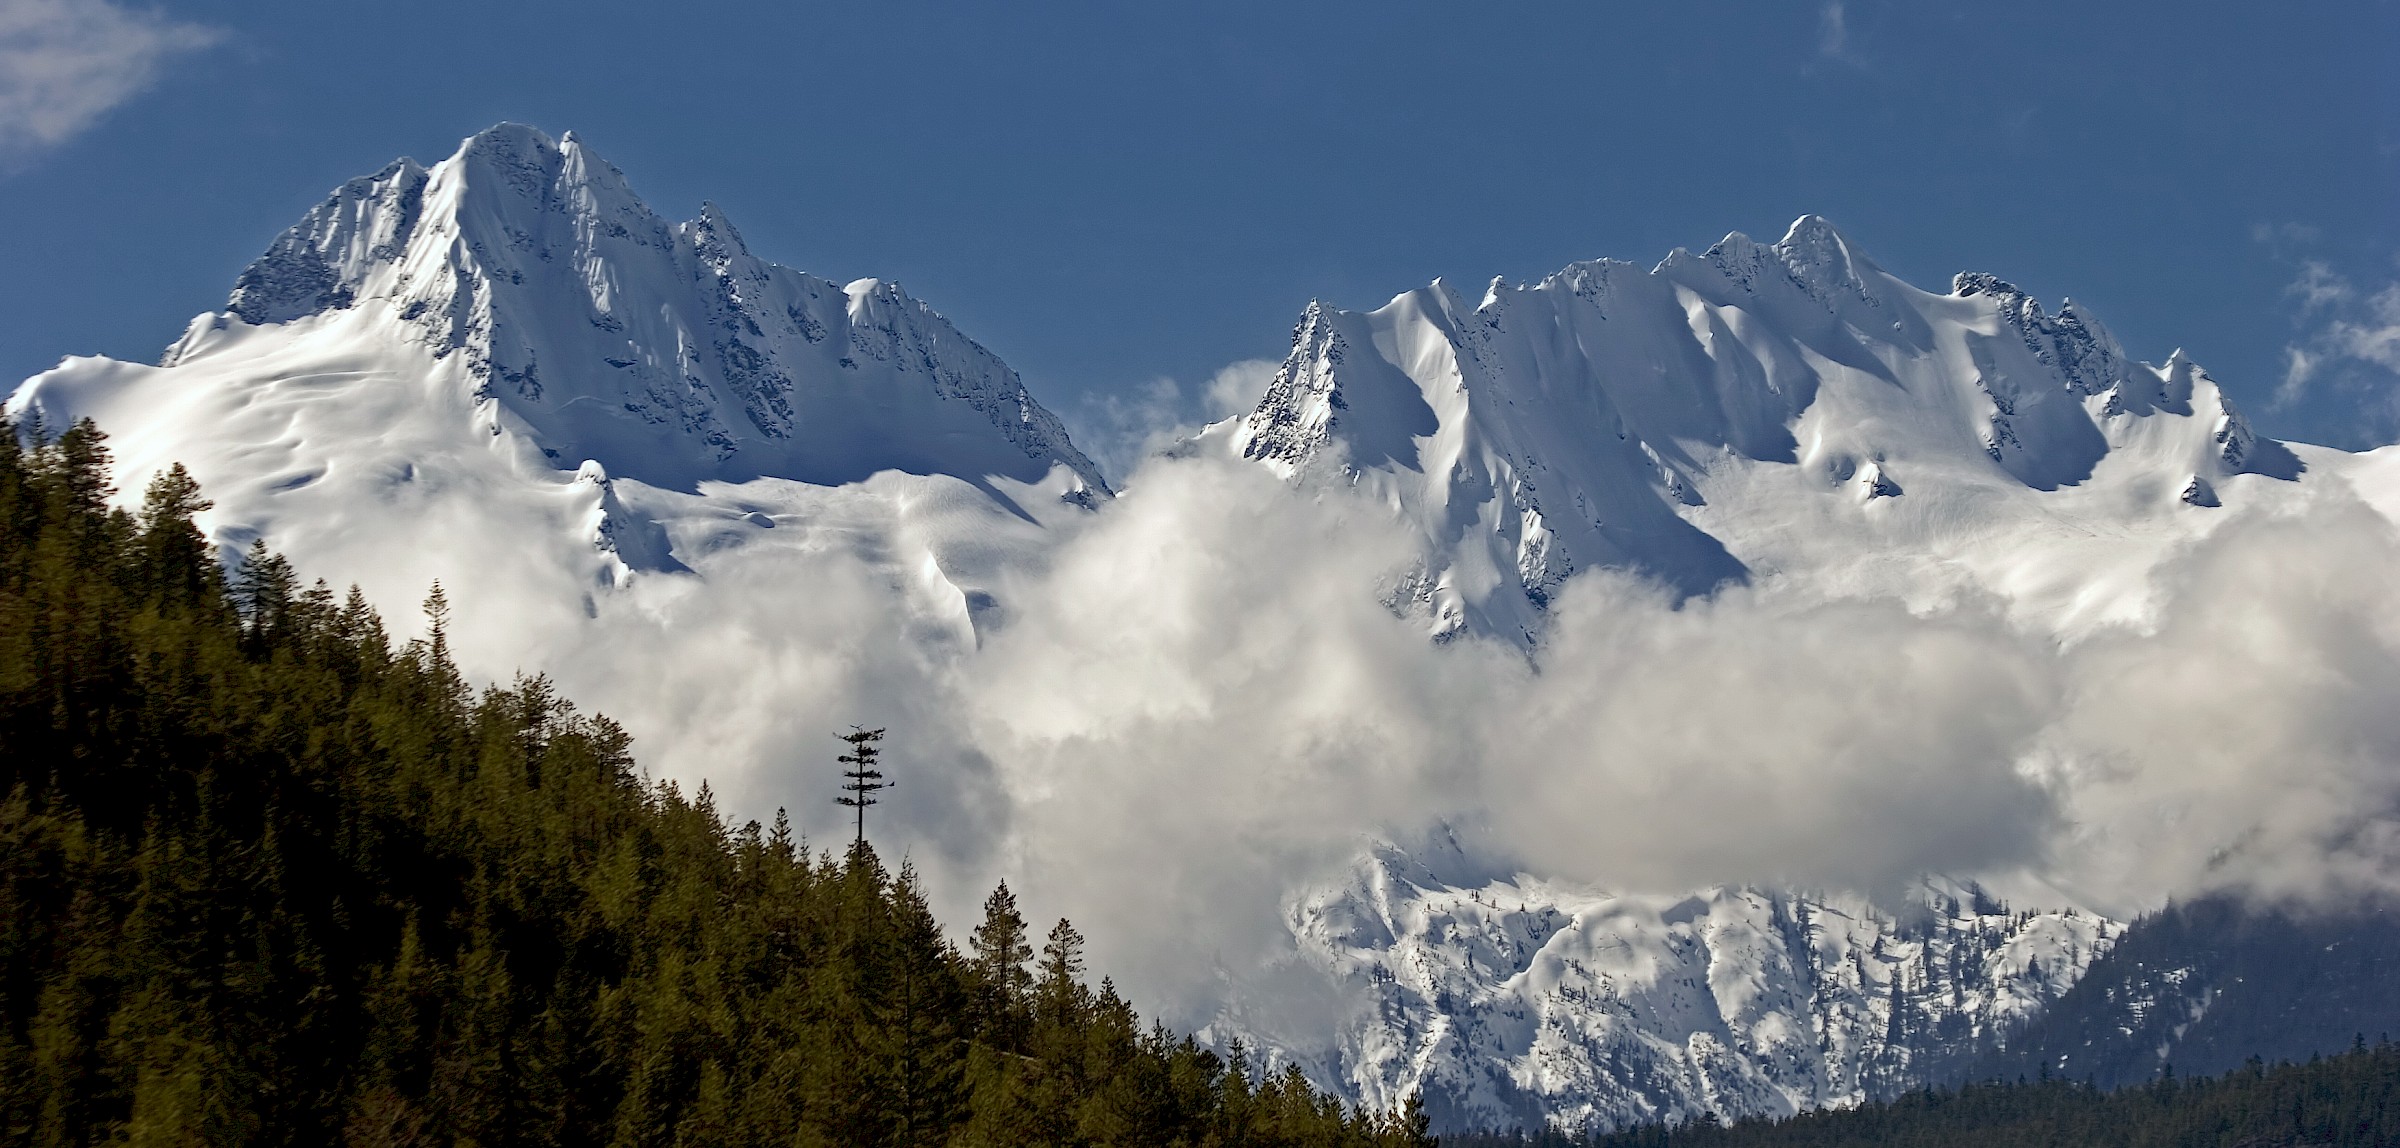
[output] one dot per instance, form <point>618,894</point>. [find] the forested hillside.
<point>267,879</point>
<point>2347,1101</point>
<point>2208,985</point>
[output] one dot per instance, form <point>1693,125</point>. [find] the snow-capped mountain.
<point>666,352</point>
<point>506,372</point>
<point>1522,1002</point>
<point>1789,413</point>
<point>622,442</point>
<point>1751,409</point>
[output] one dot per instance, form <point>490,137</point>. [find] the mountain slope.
<point>1753,409</point>
<point>667,352</point>
<point>1786,414</point>
<point>1523,1002</point>
<point>2201,988</point>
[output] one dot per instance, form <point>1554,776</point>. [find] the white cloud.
<point>2318,286</point>
<point>2374,335</point>
<point>2287,235</point>
<point>2247,742</point>
<point>2299,366</point>
<point>66,63</point>
<point>2353,336</point>
<point>1237,386</point>
<point>1837,37</point>
<point>1161,717</point>
<point>1196,706</point>
<point>1197,702</point>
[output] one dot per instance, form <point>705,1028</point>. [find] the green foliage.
<point>266,879</point>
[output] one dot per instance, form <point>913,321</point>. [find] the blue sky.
<point>1108,194</point>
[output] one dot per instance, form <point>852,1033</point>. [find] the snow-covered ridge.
<point>666,352</point>
<point>1615,416</point>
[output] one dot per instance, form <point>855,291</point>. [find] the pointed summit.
<point>1813,259</point>
<point>1814,238</point>
<point>1817,251</point>
<point>716,230</point>
<point>668,352</point>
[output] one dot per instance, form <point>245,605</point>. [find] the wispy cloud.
<point>1833,31</point>
<point>66,63</point>
<point>2289,234</point>
<point>1837,34</point>
<point>2350,333</point>
<point>1122,429</point>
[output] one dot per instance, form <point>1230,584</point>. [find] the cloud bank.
<point>1196,701</point>
<point>66,63</point>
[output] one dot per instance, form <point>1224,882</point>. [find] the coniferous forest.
<point>267,878</point>
<point>2347,1101</point>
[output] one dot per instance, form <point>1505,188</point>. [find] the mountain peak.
<point>1608,416</point>
<point>1815,238</point>
<point>1816,250</point>
<point>509,138</point>
<point>668,352</point>
<point>1813,257</point>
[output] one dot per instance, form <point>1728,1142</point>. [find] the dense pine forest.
<point>2347,1101</point>
<point>267,878</point>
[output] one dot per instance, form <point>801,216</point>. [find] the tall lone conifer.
<point>863,779</point>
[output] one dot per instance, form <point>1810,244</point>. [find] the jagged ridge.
<point>1592,419</point>
<point>665,351</point>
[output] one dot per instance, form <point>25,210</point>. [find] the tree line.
<point>269,877</point>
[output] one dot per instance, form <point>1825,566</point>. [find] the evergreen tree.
<point>174,553</point>
<point>862,781</point>
<point>1002,985</point>
<point>263,588</point>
